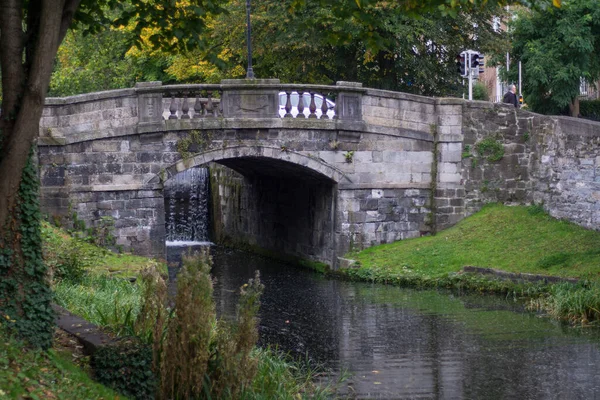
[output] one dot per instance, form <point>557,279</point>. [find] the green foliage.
<point>590,109</point>
<point>349,156</point>
<point>295,41</point>
<point>480,92</point>
<point>103,232</point>
<point>63,251</point>
<point>126,367</point>
<point>173,26</point>
<point>67,263</point>
<point>467,152</point>
<point>378,43</point>
<point>24,292</point>
<point>490,148</point>
<point>34,374</point>
<point>578,304</point>
<point>557,48</point>
<point>536,209</point>
<point>94,298</point>
<point>276,375</point>
<point>279,376</point>
<point>86,64</point>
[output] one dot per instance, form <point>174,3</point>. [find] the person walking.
<point>511,96</point>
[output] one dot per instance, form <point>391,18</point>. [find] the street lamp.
<point>249,72</point>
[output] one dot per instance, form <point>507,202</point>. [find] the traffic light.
<point>461,64</point>
<point>520,100</point>
<point>474,62</point>
<point>481,63</point>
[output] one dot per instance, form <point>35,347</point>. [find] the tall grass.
<point>279,377</point>
<point>110,302</point>
<point>578,304</point>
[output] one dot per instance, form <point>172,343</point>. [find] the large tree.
<point>315,45</point>
<point>30,34</point>
<point>558,48</point>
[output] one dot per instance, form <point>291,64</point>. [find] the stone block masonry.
<point>391,166</point>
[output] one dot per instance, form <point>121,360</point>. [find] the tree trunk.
<point>574,107</point>
<point>24,291</point>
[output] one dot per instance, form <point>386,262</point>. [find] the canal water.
<point>397,343</point>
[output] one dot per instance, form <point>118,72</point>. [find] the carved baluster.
<point>220,108</point>
<point>209,105</point>
<point>324,108</point>
<point>185,107</point>
<point>335,108</point>
<point>301,104</point>
<point>173,108</point>
<point>288,104</point>
<point>198,106</point>
<point>312,107</point>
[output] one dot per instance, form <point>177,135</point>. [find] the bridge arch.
<point>271,198</point>
<point>239,158</point>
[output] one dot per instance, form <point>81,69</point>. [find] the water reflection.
<point>400,343</point>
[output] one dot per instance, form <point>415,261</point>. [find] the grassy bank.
<point>512,239</point>
<point>63,252</point>
<point>36,374</point>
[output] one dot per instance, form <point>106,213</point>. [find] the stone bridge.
<point>379,167</point>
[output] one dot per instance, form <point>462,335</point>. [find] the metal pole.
<point>507,53</point>
<point>249,72</point>
<point>470,75</point>
<point>520,91</point>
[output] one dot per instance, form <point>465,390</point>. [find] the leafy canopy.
<point>557,48</point>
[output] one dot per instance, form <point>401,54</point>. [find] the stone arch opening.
<point>270,199</point>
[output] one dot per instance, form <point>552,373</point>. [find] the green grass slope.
<point>60,248</point>
<point>513,239</point>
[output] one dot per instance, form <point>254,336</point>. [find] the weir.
<point>186,204</point>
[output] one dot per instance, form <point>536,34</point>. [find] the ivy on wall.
<point>25,294</point>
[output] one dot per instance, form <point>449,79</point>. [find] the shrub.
<point>197,355</point>
<point>126,367</point>
<point>480,92</point>
<point>590,109</point>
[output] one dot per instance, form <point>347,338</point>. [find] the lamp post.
<point>249,72</point>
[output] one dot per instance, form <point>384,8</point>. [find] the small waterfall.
<point>186,204</point>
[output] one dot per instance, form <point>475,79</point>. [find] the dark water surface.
<point>405,344</point>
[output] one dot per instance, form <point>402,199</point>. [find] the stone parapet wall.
<point>567,171</point>
<point>398,110</point>
<point>500,153</point>
<point>90,116</point>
